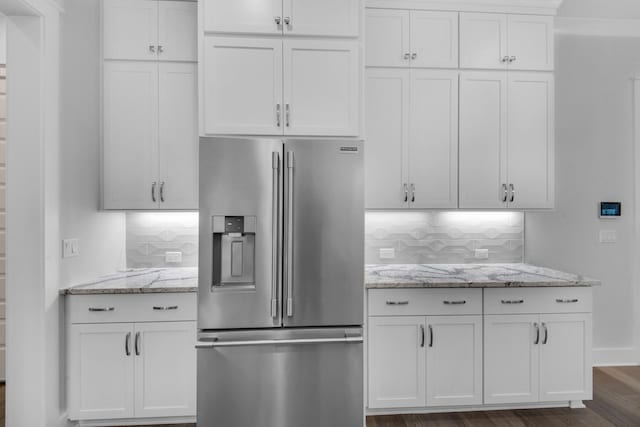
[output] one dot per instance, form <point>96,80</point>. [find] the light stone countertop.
<point>380,276</point>
<point>140,281</point>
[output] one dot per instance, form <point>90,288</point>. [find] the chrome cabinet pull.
<point>289,241</point>
<point>160,49</point>
<point>546,333</point>
<point>127,342</point>
<point>512,301</point>
<point>102,308</point>
<point>287,20</point>
<point>160,308</point>
<point>162,191</point>
<point>535,325</point>
<point>512,59</point>
<point>278,115</point>
<point>152,48</point>
<point>278,20</point>
<point>461,302</point>
<point>422,335</point>
<point>406,193</point>
<point>505,193</point>
<point>407,56</point>
<point>153,191</point>
<point>512,188</point>
<point>287,113</point>
<point>430,336</point>
<point>505,59</point>
<point>397,302</point>
<point>413,193</point>
<point>567,301</point>
<point>137,344</point>
<point>414,55</point>
<point>275,220</point>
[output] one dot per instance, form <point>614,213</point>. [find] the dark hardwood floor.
<point>616,402</point>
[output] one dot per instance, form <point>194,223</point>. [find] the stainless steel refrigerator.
<point>280,298</point>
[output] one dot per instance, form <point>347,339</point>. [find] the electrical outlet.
<point>70,248</point>
<point>482,253</point>
<point>173,257</point>
<point>608,236</point>
<point>387,253</point>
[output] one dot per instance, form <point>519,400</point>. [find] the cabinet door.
<point>530,42</point>
<point>483,135</point>
<point>165,369</point>
<point>433,139</point>
<point>454,360</point>
<point>178,136</point>
<point>100,371</point>
<point>130,29</point>
<point>387,127</point>
<point>337,18</point>
<point>396,362</point>
<point>483,40</point>
<point>321,87</point>
<point>565,357</point>
<point>130,135</point>
<point>511,358</point>
<point>434,39</point>
<point>531,140</point>
<point>387,38</point>
<point>177,31</point>
<point>243,16</point>
<point>243,86</point>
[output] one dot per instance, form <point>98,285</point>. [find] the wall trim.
<point>598,27</point>
<point>623,356</point>
<point>534,7</point>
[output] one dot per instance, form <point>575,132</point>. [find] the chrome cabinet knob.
<point>287,20</point>
<point>414,55</point>
<point>152,48</point>
<point>278,20</point>
<point>407,55</point>
<point>504,59</point>
<point>511,59</point>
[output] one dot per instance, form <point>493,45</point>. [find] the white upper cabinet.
<point>243,86</point>
<point>500,41</point>
<point>321,87</point>
<point>334,18</point>
<point>401,38</point>
<point>149,30</point>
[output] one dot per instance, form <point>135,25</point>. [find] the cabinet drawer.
<point>537,300</point>
<point>431,302</point>
<point>131,308</point>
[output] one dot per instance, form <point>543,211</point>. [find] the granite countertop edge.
<point>113,291</point>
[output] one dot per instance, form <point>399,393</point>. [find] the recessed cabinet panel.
<point>396,362</point>
<point>243,86</point>
<point>130,29</point>
<point>387,126</point>
<point>177,31</point>
<point>433,139</point>
<point>243,16</point>
<point>531,140</point>
<point>338,18</point>
<point>387,38</point>
<point>434,39</point>
<point>530,42</point>
<point>321,87</point>
<point>178,136</point>
<point>130,150</point>
<point>483,40</point>
<point>483,132</point>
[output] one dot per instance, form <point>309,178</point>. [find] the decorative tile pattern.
<point>437,237</point>
<point>151,234</point>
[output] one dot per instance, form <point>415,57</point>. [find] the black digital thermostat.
<point>610,210</point>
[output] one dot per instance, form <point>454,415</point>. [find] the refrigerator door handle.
<point>289,242</point>
<point>275,227</point>
<point>213,344</point>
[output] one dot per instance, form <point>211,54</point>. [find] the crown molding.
<point>535,7</point>
<point>597,27</point>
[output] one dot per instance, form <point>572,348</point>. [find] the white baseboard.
<point>624,356</point>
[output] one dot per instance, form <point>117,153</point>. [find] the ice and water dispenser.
<point>234,251</point>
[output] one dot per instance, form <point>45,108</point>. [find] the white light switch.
<point>70,248</point>
<point>387,253</point>
<point>173,257</point>
<point>482,253</point>
<point>608,236</point>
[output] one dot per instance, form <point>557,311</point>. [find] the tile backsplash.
<point>437,237</point>
<point>151,234</point>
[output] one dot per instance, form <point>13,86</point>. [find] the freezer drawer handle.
<point>171,307</point>
<point>512,301</point>
<point>461,302</point>
<point>213,344</point>
<point>567,301</point>
<point>102,308</point>
<point>397,302</point>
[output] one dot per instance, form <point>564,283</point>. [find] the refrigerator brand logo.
<point>348,150</point>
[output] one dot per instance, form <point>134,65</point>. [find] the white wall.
<point>619,9</point>
<point>594,149</point>
<point>102,234</point>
